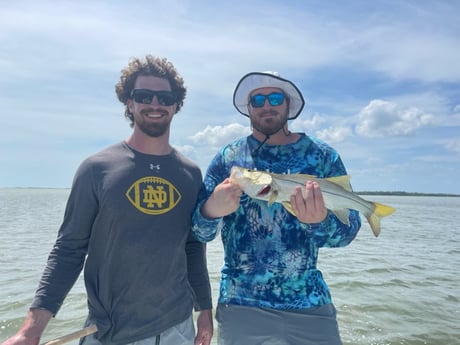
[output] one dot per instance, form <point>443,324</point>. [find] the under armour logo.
<point>155,167</point>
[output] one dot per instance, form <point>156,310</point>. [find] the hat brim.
<point>257,80</point>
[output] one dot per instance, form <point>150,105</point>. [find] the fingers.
<point>205,328</point>
<point>233,188</point>
<point>203,339</point>
<point>230,190</point>
<point>309,208</point>
<point>225,199</point>
<point>298,202</point>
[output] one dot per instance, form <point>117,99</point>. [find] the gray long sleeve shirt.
<point>127,221</point>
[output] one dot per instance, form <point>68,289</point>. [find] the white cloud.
<point>309,124</point>
<point>334,134</point>
<point>412,54</point>
<point>453,145</point>
<point>61,60</point>
<point>381,118</point>
<point>326,36</point>
<point>218,136</point>
<point>186,150</point>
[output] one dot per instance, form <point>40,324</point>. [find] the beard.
<point>268,125</point>
<point>154,129</point>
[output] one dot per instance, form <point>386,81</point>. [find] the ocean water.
<point>400,288</point>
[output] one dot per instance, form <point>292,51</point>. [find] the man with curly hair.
<point>128,223</point>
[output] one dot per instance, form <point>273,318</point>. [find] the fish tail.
<point>380,210</point>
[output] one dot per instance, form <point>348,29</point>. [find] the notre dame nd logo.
<point>153,195</point>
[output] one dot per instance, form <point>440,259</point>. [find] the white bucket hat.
<point>257,80</point>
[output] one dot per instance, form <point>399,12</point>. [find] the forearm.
<point>331,232</point>
<point>66,259</point>
<point>198,274</point>
<point>62,270</point>
<point>36,321</point>
<point>204,229</point>
<point>205,315</point>
<point>32,328</point>
<point>204,327</point>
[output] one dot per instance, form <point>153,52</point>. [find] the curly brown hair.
<point>149,66</point>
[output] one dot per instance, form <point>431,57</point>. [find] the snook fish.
<point>337,193</point>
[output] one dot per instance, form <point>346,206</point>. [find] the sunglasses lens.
<point>144,96</point>
<point>275,99</point>
<point>258,101</point>
<point>166,98</point>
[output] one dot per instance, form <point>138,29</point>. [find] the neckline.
<point>171,152</point>
<point>301,136</point>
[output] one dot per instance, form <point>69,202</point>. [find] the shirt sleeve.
<point>66,259</point>
<point>331,232</point>
<point>198,273</point>
<point>206,229</point>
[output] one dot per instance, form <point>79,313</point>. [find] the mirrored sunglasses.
<point>145,96</point>
<point>274,99</point>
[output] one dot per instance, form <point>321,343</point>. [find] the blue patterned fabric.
<point>270,257</point>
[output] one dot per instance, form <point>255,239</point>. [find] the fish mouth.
<point>264,191</point>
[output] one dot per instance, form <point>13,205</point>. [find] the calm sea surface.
<point>400,288</point>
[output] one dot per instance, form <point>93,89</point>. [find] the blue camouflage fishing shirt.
<point>269,256</point>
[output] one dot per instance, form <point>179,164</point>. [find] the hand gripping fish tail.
<point>337,193</point>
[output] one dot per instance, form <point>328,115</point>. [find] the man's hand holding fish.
<point>224,200</point>
<point>335,192</point>
<point>309,208</point>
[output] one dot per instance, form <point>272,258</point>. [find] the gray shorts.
<point>252,325</point>
<point>180,334</point>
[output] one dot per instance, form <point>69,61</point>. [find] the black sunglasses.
<point>145,96</point>
<point>275,99</point>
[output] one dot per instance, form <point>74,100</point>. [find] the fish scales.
<point>337,193</point>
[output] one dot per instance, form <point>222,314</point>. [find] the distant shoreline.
<point>398,193</point>
<point>395,193</point>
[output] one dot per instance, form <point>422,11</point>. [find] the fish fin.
<point>287,205</point>
<point>380,210</point>
<point>343,215</point>
<point>306,177</point>
<point>272,198</point>
<point>343,181</point>
<point>383,210</point>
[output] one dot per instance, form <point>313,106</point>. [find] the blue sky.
<point>381,80</point>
